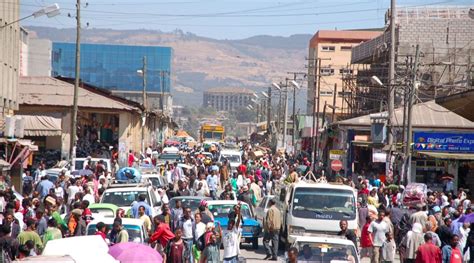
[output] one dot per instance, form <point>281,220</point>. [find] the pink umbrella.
<point>130,252</point>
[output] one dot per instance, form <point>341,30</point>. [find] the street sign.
<point>336,165</point>
<point>336,154</point>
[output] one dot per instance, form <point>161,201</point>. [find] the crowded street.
<point>198,131</point>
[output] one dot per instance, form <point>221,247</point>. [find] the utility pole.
<point>334,104</point>
<point>293,136</point>
<point>269,105</point>
<point>318,93</point>
<point>391,88</point>
<point>413,90</point>
<point>285,118</point>
<point>72,149</point>
<point>144,113</point>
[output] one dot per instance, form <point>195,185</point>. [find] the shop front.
<point>440,156</point>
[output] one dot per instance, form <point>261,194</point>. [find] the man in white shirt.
<point>213,183</point>
<point>201,185</point>
<point>72,190</point>
<point>231,236</point>
<point>378,229</point>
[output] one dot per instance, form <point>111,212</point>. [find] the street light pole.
<point>72,150</point>
<point>269,117</point>
<point>391,75</point>
<point>144,114</point>
<point>285,118</point>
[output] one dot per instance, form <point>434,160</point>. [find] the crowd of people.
<point>437,230</point>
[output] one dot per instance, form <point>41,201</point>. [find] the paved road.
<point>256,256</point>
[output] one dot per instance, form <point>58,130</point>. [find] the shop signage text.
<point>443,142</point>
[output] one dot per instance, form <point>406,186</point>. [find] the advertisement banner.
<point>443,142</point>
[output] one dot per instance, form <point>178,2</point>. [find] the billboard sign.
<point>443,142</point>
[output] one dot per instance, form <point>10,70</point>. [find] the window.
<point>328,48</point>
<point>326,93</point>
<point>345,71</point>
<point>346,48</point>
<point>327,71</point>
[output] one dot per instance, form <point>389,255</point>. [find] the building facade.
<point>114,67</point>
<point>333,49</point>
<point>444,35</point>
<point>9,58</point>
<point>227,99</point>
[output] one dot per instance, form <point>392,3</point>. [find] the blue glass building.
<point>114,67</point>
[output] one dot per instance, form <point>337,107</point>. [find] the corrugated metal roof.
<point>425,115</point>
<point>49,91</point>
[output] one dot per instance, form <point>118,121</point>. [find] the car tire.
<point>255,243</point>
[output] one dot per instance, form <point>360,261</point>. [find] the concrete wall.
<point>39,57</point>
<point>9,58</point>
<point>339,61</point>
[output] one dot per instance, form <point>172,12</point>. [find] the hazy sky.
<point>224,18</point>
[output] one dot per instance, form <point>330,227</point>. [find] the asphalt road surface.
<point>257,256</point>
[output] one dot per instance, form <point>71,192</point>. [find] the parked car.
<point>325,249</point>
<point>262,208</point>
<point>251,228</point>
<point>135,228</point>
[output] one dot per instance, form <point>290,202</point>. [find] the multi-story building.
<point>445,36</point>
<point>115,67</point>
<point>333,49</point>
<point>9,58</point>
<point>228,99</point>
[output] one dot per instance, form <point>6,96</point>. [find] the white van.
<point>316,208</point>
<point>233,157</point>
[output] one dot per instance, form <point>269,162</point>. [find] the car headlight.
<point>296,230</point>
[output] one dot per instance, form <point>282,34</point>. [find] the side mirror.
<point>157,203</point>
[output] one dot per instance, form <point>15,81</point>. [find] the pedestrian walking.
<point>272,224</point>
<point>231,236</point>
<point>378,229</point>
<point>176,249</point>
<point>451,252</point>
<point>412,241</point>
<point>388,249</point>
<point>366,243</point>
<point>428,252</point>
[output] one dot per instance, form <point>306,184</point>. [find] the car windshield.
<point>155,181</point>
<point>105,212</point>
<point>191,203</point>
<point>326,252</point>
<point>329,204</point>
<point>169,156</point>
<point>79,164</point>
<point>232,158</point>
<point>134,232</point>
<point>223,210</point>
<point>123,198</point>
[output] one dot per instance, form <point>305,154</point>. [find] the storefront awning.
<point>41,125</point>
<point>449,156</point>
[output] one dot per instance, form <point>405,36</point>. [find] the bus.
<point>212,133</point>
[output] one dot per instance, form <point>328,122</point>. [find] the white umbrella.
<point>83,249</point>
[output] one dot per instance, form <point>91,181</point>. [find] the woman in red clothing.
<point>366,240</point>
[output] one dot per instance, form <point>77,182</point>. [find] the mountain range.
<point>201,63</point>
